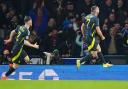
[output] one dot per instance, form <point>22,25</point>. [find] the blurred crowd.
<point>56,24</point>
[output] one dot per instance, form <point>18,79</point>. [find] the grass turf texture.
<point>80,84</point>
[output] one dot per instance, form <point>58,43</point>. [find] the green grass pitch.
<point>71,84</point>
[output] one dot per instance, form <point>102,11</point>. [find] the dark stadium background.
<point>56,25</point>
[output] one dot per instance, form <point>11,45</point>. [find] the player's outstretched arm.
<point>82,29</point>
<point>12,34</point>
<point>27,43</point>
<point>100,33</point>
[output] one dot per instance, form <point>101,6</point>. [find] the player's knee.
<point>27,59</point>
<point>98,48</point>
<point>94,54</point>
<point>15,66</point>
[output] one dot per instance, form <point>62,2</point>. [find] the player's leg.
<point>98,49</point>
<point>11,69</point>
<point>16,53</point>
<point>94,52</point>
<point>98,54</point>
<point>78,61</point>
<point>94,56</point>
<point>101,57</point>
<point>87,55</point>
<point>26,57</point>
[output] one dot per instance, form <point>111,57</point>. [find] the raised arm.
<point>27,43</point>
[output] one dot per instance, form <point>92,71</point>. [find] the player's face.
<point>30,23</point>
<point>97,10</point>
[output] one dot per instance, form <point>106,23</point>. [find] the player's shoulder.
<point>95,17</point>
<point>88,16</point>
<point>23,26</point>
<point>17,28</point>
<point>22,29</point>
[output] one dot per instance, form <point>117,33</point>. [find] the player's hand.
<point>36,46</point>
<point>103,38</point>
<point>7,41</point>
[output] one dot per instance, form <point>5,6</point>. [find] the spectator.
<point>125,37</point>
<point>108,24</point>
<point>1,49</point>
<point>68,22</point>
<point>83,6</point>
<point>45,42</point>
<point>54,39</point>
<point>69,9</point>
<point>53,58</point>
<point>52,6</point>
<point>121,11</point>
<point>106,8</point>
<point>55,9</point>
<point>51,24</point>
<point>79,43</point>
<point>111,20</point>
<point>39,15</point>
<point>115,46</point>
<point>3,11</point>
<point>118,37</point>
<point>14,22</point>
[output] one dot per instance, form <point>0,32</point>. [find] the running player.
<point>21,35</point>
<point>89,28</point>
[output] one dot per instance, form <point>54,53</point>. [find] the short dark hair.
<point>93,8</point>
<point>27,18</point>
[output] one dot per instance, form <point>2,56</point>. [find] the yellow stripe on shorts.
<point>92,44</point>
<point>17,56</point>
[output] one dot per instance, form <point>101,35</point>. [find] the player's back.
<point>22,33</point>
<point>90,22</point>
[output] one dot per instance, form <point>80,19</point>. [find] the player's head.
<point>28,20</point>
<point>95,10</point>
